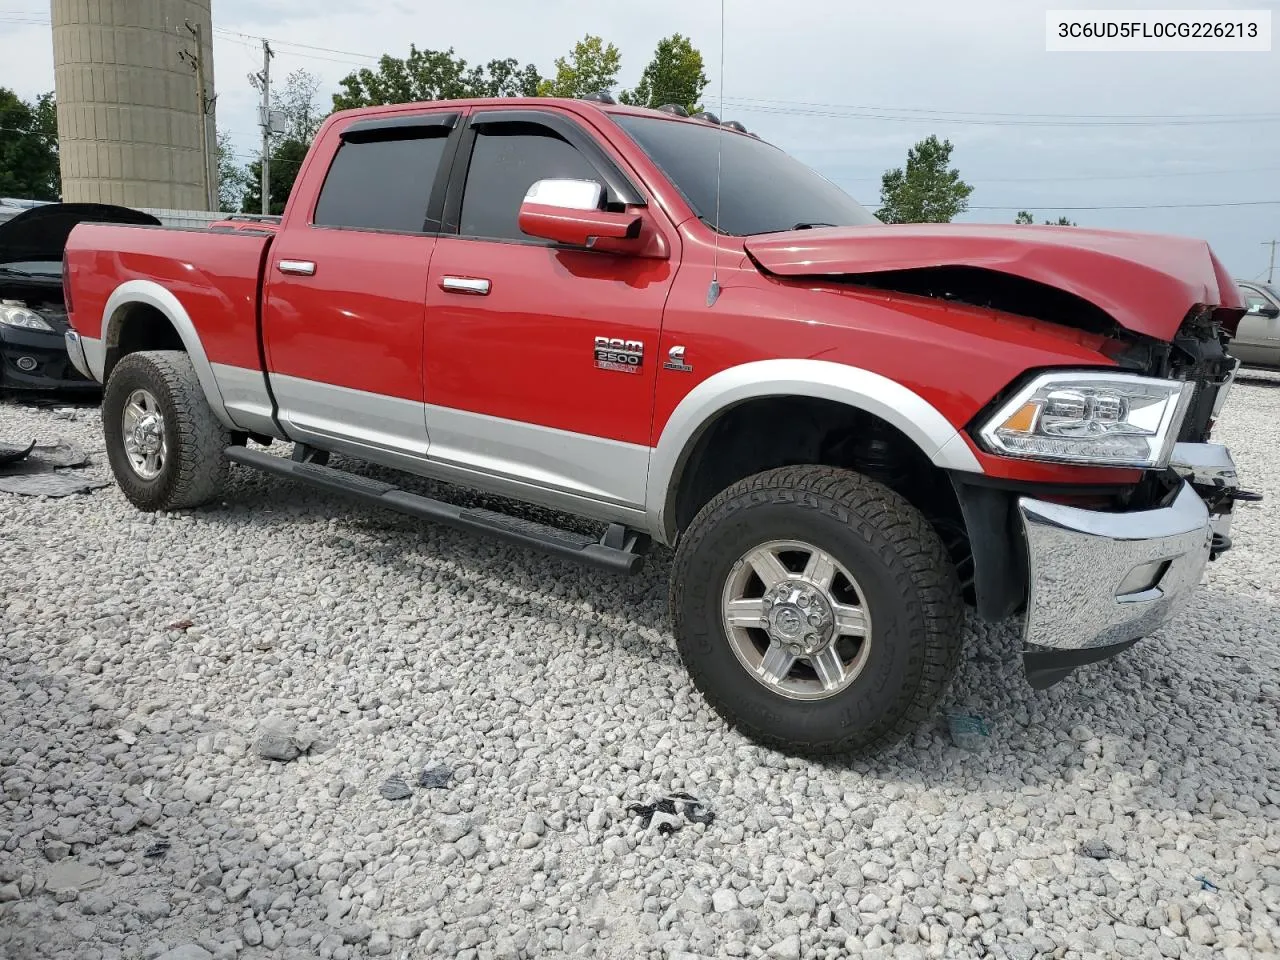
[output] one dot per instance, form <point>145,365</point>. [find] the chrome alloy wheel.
<point>796,619</point>
<point>142,428</point>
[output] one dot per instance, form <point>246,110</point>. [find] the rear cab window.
<point>383,176</point>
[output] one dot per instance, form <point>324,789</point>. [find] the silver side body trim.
<point>527,492</point>
<point>574,463</point>
<point>887,399</point>
<point>1080,560</point>
<point>244,392</point>
<point>329,415</point>
<point>154,295</point>
<point>505,458</point>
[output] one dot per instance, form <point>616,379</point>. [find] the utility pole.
<point>263,82</point>
<point>203,102</point>
<point>1272,268</point>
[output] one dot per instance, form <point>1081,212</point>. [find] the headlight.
<point>1109,419</point>
<point>21,317</point>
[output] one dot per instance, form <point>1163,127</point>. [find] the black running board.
<point>622,558</point>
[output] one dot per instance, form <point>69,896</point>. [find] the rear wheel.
<point>163,441</point>
<point>816,610</point>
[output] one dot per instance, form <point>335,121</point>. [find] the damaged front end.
<point>1094,571</point>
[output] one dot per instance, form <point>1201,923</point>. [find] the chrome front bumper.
<point>1102,579</point>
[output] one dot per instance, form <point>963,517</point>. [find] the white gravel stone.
<point>724,900</point>
<point>384,646</point>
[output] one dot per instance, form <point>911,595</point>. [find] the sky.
<point>1192,140</point>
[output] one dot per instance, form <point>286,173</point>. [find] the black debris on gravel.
<point>12,454</point>
<point>157,849</point>
<point>395,789</point>
<point>1096,849</point>
<point>46,470</point>
<point>677,805</point>
<point>694,810</point>
<point>435,778</point>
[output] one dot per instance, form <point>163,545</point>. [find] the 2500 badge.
<point>614,353</point>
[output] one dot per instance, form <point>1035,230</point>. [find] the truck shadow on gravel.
<point>1142,708</point>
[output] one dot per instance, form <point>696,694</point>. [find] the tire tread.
<point>898,532</point>
<point>201,438</point>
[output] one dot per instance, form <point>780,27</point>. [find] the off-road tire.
<point>195,468</point>
<point>897,558</point>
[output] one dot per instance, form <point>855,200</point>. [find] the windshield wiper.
<point>810,224</point>
<point>12,272</point>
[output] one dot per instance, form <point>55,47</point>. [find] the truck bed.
<point>215,275</point>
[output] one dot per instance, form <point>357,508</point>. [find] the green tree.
<point>296,99</point>
<point>286,159</point>
<point>29,147</point>
<point>434,75</point>
<point>232,176</point>
<point>590,67</point>
<point>927,190</point>
<point>1025,216</point>
<point>674,75</point>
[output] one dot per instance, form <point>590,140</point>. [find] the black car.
<point>33,316</point>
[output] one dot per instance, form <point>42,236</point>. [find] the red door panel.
<point>357,322</point>
<point>525,351</point>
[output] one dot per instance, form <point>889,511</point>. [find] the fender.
<point>154,295</point>
<point>887,399</point>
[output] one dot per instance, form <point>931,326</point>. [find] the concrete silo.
<point>129,113</point>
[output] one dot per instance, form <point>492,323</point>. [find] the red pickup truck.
<point>846,431</point>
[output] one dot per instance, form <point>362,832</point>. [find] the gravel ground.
<point>1133,810</point>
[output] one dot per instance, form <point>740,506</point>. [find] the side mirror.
<point>569,211</point>
<point>1268,310</point>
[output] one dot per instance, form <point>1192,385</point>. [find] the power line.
<point>1097,176</point>
<point>1134,206</point>
<point>293,43</point>
<point>363,58</point>
<point>1232,117</point>
<point>853,114</point>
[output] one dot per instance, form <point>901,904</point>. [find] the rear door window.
<point>382,184</point>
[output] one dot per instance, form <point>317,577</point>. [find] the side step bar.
<point>617,552</point>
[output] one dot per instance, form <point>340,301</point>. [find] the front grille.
<point>1198,422</point>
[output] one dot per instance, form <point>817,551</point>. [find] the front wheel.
<point>816,610</point>
<point>163,441</point>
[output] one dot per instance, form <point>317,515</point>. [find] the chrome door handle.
<point>476,286</point>
<point>302,268</point>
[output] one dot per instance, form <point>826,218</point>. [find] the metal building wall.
<point>129,122</point>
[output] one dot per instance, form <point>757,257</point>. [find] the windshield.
<point>762,189</point>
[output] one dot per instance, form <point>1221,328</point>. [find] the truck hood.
<point>1147,283</point>
<point>40,233</point>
